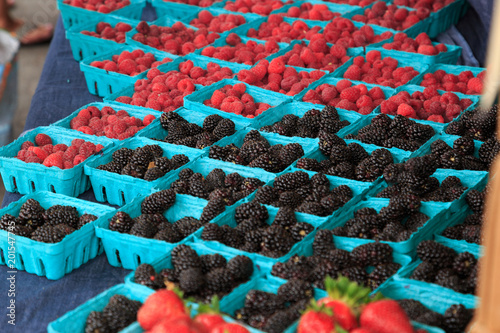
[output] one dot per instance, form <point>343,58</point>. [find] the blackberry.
<point>452,282</point>
<point>372,254</point>
<point>190,141</point>
<point>146,275</point>
<point>66,229</point>
<point>291,181</point>
<point>47,234</point>
<point>308,164</point>
<point>464,145</point>
<point>241,267</point>
<point>276,241</point>
<point>341,258</point>
<point>408,202</point>
<point>211,122</point>
<point>420,133</point>
<point>290,153</point>
<point>26,231</point>
<point>96,323</point>
<point>425,271</point>
<point>253,240</point>
<point>178,160</point>
<point>86,218</point>
<point>356,274</point>
<point>212,261</point>
<point>232,237</point>
<point>144,229</point>
<point>249,225</point>
<point>258,320</point>
<point>120,312</point>
<point>169,234</point>
<point>219,280</point>
<point>268,163</point>
<point>451,160</point>
<point>251,184</point>
<point>258,301</point>
<point>185,174</point>
<point>121,157</point>
<point>153,174</point>
<point>31,212</point>
<point>454,232</point>
<point>357,152</point>
<point>289,199</point>
<point>456,318</point>
<point>475,200</point>
<point>215,178</point>
<point>7,220</point>
<point>250,210</point>
<point>170,117</point>
<point>187,225</point>
<point>242,314</point>
<point>430,318</point>
<point>381,273</point>
<point>198,188</point>
<point>252,149</point>
<point>439,147</point>
<point>455,128</point>
<point>464,263</point>
<point>413,308</point>
<point>185,258</point>
<point>323,242</point>
<point>61,214</point>
<point>357,231</point>
<point>278,322</point>
<point>472,234</point>
<point>224,128</point>
<point>319,273</point>
<point>343,169</point>
<point>212,232</point>
<point>266,195</point>
<point>158,202</point>
<point>416,221</point>
<point>300,230</point>
<point>111,167</point>
<point>134,170</point>
<point>191,280</point>
<point>435,253</point>
<point>155,150</point>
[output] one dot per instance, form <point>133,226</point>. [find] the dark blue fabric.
<point>62,90</point>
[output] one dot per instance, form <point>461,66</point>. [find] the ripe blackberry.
<point>430,318</point>
<point>456,318</point>
<point>451,160</point>
<point>253,241</point>
<point>290,153</point>
<point>381,273</point>
<point>452,282</point>
<point>96,323</point>
<point>435,253</point>
<point>212,232</point>
<point>243,315</point>
<point>343,169</point>
<point>472,234</point>
<point>198,188</point>
<point>178,160</point>
<point>185,174</point>
<point>215,178</point>
<point>249,225</point>
<point>323,242</point>
<point>276,241</point>
<point>295,290</point>
<point>413,308</point>
<point>258,320</point>
<point>8,220</point>
<point>187,225</point>
<point>224,128</point>
<point>122,156</point>
<point>357,152</point>
<point>61,214</point>
<point>232,237</point>
<point>185,258</point>
<point>144,229</point>
<point>241,267</point>
<point>258,301</point>
<point>489,150</point>
<point>31,212</point>
<point>191,280</point>
<point>464,145</point>
<point>454,232</point>
<point>464,263</point>
<point>120,312</point>
<point>291,181</point>
<point>48,234</point>
<point>278,322</point>
<point>416,221</point>
<point>475,200</point>
<point>471,281</point>
<point>212,261</point>
<point>250,210</point>
<point>66,229</point>
<point>356,274</point>
<point>251,184</point>
<point>169,117</point>
<point>155,150</point>
<point>219,280</point>
<point>289,199</point>
<point>267,162</point>
<point>425,271</point>
<point>146,275</point>
<point>252,149</point>
<point>168,234</point>
<point>153,174</point>
<point>158,202</point>
<point>372,254</point>
<point>300,230</point>
<point>86,218</point>
<point>26,231</point>
<point>266,195</point>
<point>121,222</point>
<point>211,121</point>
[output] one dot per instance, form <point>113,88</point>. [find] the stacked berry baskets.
<point>252,149</point>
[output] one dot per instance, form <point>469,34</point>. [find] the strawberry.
<point>209,316</point>
<point>162,304</point>
<point>344,299</point>
<point>178,324</point>
<point>360,330</point>
<point>316,319</point>
<point>385,316</point>
<point>229,328</point>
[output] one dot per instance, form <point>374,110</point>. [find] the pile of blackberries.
<point>459,157</point>
<point>119,313</point>
<point>478,124</point>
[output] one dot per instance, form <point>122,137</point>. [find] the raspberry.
<point>26,145</point>
<point>148,119</point>
<point>427,50</point>
<point>475,85</point>
<point>217,97</point>
<point>373,56</point>
<point>247,76</point>
<point>436,118</point>
<point>33,159</point>
<point>42,139</point>
<point>39,152</point>
<point>407,111</point>
<point>186,85</point>
<point>79,159</point>
<point>54,159</point>
<point>353,73</point>
<point>277,66</point>
<point>351,94</point>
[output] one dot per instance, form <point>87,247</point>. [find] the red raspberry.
<point>217,97</point>
<point>277,66</point>
<point>328,94</point>
<point>353,73</point>
<point>186,85</point>
<point>407,111</point>
<point>39,152</point>
<point>42,139</point>
<point>26,145</point>
<point>475,85</point>
<point>32,159</point>
<point>79,159</point>
<point>60,147</point>
<point>343,84</point>
<point>54,159</point>
<point>351,94</point>
<point>388,107</point>
<point>148,119</point>
<point>373,56</point>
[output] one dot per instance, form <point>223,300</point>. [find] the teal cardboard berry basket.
<point>181,10</point>
<point>128,251</point>
<point>72,16</point>
<point>403,276</point>
<point>205,166</point>
<point>74,320</point>
<point>52,260</point>
<point>196,100</point>
<point>333,7</point>
<point>83,46</point>
<point>156,132</point>
<point>131,110</point>
<point>24,178</point>
<point>121,189</point>
<point>215,11</point>
<point>102,83</point>
<point>435,212</point>
<point>444,18</point>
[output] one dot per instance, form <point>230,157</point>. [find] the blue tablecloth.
<point>62,90</point>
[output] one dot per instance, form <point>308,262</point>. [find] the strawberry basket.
<point>128,251</point>
<point>74,321</point>
<point>56,259</point>
<point>72,15</point>
<point>131,110</point>
<point>26,178</point>
<point>102,83</point>
<point>83,46</point>
<point>121,189</point>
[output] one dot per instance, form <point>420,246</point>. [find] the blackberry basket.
<point>58,259</point>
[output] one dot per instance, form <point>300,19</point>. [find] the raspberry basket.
<point>84,46</point>
<point>73,16</point>
<point>131,110</point>
<point>58,259</point>
<point>216,11</point>
<point>403,276</point>
<point>469,179</point>
<point>180,10</point>
<point>157,132</point>
<point>166,262</point>
<point>128,251</point>
<point>205,165</point>
<point>446,17</point>
<point>449,57</point>
<point>332,80</point>
<point>195,101</point>
<point>103,83</point>
<point>122,189</point>
<point>438,218</point>
<point>25,178</point>
<point>436,301</point>
<point>332,6</point>
<point>299,109</point>
<point>450,69</point>
<point>74,321</point>
<point>308,145</point>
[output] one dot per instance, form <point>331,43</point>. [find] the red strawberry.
<point>385,316</point>
<point>230,328</point>
<point>343,301</point>
<point>209,316</point>
<point>178,324</point>
<point>360,330</point>
<point>316,321</point>
<point>162,304</point>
